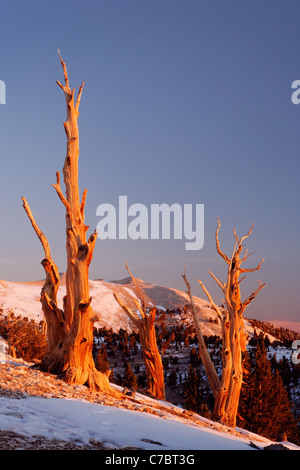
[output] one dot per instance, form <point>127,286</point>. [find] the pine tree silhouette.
<point>101,359</point>
<point>194,394</point>
<point>264,403</point>
<point>129,378</point>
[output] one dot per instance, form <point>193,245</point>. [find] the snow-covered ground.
<point>79,420</point>
<point>71,420</point>
<point>82,421</point>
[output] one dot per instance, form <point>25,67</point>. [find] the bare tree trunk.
<point>222,392</point>
<point>151,355</point>
<point>227,394</point>
<point>235,308</point>
<point>70,331</point>
<point>208,364</point>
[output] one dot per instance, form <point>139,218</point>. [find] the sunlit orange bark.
<point>70,330</point>
<point>151,355</point>
<point>227,393</point>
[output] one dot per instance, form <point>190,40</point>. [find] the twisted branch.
<point>38,231</point>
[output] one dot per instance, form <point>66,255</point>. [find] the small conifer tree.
<point>101,360</point>
<point>129,378</point>
<point>192,391</point>
<point>264,403</point>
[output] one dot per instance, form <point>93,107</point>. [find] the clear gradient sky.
<point>185,101</point>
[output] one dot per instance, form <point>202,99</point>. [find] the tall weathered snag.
<point>151,356</point>
<point>227,390</point>
<point>70,330</point>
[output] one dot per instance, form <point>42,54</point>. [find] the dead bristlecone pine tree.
<point>144,321</point>
<point>227,389</point>
<point>70,329</point>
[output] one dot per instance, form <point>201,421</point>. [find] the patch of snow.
<point>70,420</point>
<point>130,292</point>
<point>3,349</point>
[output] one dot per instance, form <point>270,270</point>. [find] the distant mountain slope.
<point>23,298</point>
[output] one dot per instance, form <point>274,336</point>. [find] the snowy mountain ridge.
<point>23,298</point>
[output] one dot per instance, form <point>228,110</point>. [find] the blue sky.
<point>185,101</point>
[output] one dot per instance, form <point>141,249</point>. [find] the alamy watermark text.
<point>2,92</point>
<point>160,222</point>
